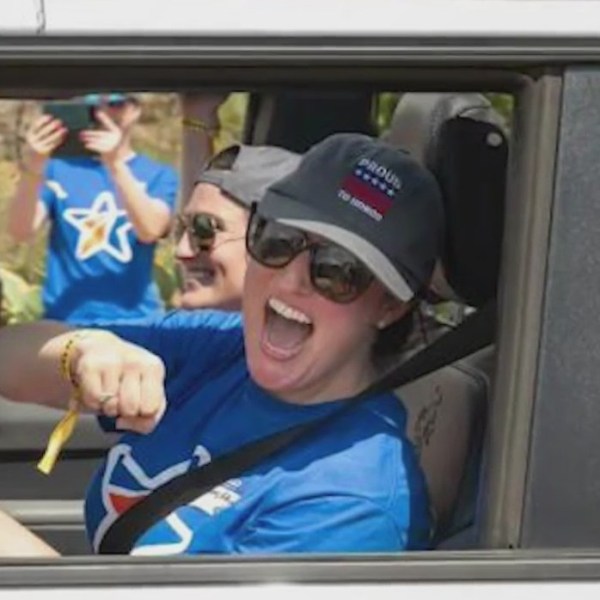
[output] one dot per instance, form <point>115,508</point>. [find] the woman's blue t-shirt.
<point>355,486</point>
<point>97,269</point>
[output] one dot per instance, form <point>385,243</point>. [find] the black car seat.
<point>462,140</point>
<point>297,119</point>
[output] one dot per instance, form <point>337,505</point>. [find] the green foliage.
<point>504,104</point>
<point>385,105</point>
<point>232,114</point>
<point>21,301</point>
<point>166,274</point>
<point>158,134</point>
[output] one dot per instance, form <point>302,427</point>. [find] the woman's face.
<point>124,114</point>
<point>214,277</point>
<point>303,347</point>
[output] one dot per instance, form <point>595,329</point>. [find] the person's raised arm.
<point>39,363</point>
<point>29,363</point>
<point>150,217</point>
<point>26,212</point>
<point>200,122</point>
<point>17,541</point>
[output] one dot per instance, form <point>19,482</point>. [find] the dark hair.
<point>223,160</point>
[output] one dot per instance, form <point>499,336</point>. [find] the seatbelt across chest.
<point>474,333</point>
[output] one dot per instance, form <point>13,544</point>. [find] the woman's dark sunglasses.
<point>201,228</point>
<point>335,273</point>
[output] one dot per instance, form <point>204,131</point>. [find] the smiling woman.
<point>325,279</point>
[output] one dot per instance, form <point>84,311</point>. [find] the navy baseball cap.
<point>245,172</point>
<point>370,198</point>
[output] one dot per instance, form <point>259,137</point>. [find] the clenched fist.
<point>119,380</point>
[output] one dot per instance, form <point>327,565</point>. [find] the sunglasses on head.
<point>99,100</point>
<point>202,229</point>
<point>335,273</point>
<point>115,103</point>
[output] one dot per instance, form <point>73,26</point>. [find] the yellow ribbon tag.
<point>58,438</point>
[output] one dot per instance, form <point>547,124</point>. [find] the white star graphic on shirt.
<point>115,495</point>
<point>95,225</point>
<point>59,190</point>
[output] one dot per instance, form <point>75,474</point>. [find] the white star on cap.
<point>95,225</point>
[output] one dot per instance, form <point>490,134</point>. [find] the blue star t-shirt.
<point>96,268</point>
<point>355,486</point>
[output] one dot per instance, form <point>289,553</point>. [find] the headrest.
<point>461,138</point>
<point>297,119</point>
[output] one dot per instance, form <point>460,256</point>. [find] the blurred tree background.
<point>158,135</point>
<point>387,101</point>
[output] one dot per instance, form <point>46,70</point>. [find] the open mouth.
<point>286,329</point>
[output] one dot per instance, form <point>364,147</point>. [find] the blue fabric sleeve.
<point>164,187</point>
<point>198,339</point>
<point>323,524</point>
<point>46,194</point>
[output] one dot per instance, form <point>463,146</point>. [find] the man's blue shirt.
<point>96,268</point>
<point>353,487</point>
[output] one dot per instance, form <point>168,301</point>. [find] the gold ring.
<point>105,398</point>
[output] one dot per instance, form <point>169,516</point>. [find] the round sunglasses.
<point>335,273</point>
<point>201,228</point>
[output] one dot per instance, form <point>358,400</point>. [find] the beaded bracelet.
<point>66,356</point>
<point>65,427</point>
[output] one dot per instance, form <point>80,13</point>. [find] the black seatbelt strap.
<point>474,333</point>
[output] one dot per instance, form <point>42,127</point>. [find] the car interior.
<point>464,141</point>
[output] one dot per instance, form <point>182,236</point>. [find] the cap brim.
<point>290,212</point>
<point>227,182</point>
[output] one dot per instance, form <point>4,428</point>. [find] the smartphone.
<point>75,116</point>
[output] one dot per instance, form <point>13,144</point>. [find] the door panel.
<point>52,505</point>
<point>59,522</point>
<point>24,432</point>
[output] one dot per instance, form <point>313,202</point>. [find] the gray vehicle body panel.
<point>519,479</point>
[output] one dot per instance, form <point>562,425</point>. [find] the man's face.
<point>213,277</point>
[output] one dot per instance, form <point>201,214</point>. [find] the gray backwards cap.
<point>244,172</point>
<point>370,198</point>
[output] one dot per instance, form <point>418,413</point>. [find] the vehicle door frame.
<point>531,71</point>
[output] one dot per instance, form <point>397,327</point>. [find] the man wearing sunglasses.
<point>210,232</point>
<point>107,206</point>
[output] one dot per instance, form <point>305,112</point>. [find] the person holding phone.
<point>107,208</point>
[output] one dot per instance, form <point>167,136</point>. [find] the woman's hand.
<point>106,140</point>
<point>119,379</point>
<point>43,137</point>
